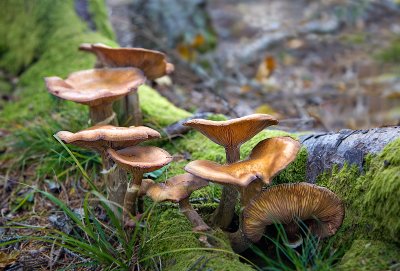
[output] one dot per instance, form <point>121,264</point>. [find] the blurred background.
<point>316,65</point>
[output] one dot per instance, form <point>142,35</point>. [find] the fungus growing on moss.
<point>288,204</point>
<point>152,63</point>
<point>102,137</point>
<point>231,134</point>
<point>138,160</point>
<point>178,189</point>
<point>97,88</point>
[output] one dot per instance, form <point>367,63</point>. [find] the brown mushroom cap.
<point>144,159</point>
<point>152,63</point>
<point>176,188</point>
<point>267,159</point>
<point>97,86</point>
<point>232,132</point>
<point>100,137</point>
<point>287,203</point>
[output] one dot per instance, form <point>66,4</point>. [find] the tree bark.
<point>328,149</point>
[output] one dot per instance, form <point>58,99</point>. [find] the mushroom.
<point>97,88</point>
<point>288,204</point>
<point>178,189</point>
<point>102,137</point>
<point>152,63</point>
<point>138,160</point>
<point>265,161</point>
<point>231,134</point>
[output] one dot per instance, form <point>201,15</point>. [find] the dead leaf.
<point>266,109</point>
<point>295,44</point>
<point>266,68</point>
<point>245,89</point>
<point>198,41</point>
<point>8,258</point>
<point>186,52</point>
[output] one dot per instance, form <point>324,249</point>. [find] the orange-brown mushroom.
<point>231,134</point>
<point>97,88</point>
<point>138,160</point>
<point>102,137</point>
<point>267,159</point>
<point>290,203</point>
<point>152,63</point>
<point>178,189</point>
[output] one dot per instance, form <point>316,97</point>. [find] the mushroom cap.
<point>267,159</point>
<point>101,137</point>
<point>140,158</point>
<point>152,63</point>
<point>97,86</point>
<point>176,188</point>
<point>232,132</point>
<point>288,203</point>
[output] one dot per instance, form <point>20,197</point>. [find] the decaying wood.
<point>351,146</point>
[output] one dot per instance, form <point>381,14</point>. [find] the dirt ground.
<point>315,65</point>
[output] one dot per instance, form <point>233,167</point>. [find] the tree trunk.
<point>351,146</point>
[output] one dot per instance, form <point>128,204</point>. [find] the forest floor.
<point>329,65</point>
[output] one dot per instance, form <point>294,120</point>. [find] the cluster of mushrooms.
<point>118,73</point>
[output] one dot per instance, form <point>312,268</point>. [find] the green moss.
<point>391,53</point>
<point>172,239</point>
<point>20,32</point>
<point>157,110</point>
<point>367,255</point>
<point>99,14</point>
<point>371,199</point>
<point>55,32</point>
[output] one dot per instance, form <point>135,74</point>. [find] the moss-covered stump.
<point>370,255</point>
<point>171,238</point>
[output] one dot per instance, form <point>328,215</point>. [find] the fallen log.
<point>347,146</point>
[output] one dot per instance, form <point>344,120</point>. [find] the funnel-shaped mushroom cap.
<point>97,86</point>
<point>139,158</point>
<point>287,203</point>
<point>176,188</point>
<point>267,159</point>
<point>232,132</point>
<point>152,63</point>
<point>101,137</point>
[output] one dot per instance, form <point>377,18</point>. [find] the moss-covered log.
<point>347,146</point>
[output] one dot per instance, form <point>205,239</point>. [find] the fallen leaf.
<point>245,89</point>
<point>295,43</point>
<point>186,52</point>
<point>8,259</point>
<point>266,109</point>
<point>198,41</point>
<point>266,68</point>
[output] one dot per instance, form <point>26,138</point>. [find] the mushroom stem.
<point>239,241</point>
<point>132,192</point>
<point>293,234</point>
<point>249,192</point>
<point>223,215</point>
<point>198,223</point>
<point>116,181</point>
<point>103,114</point>
<point>132,109</point>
